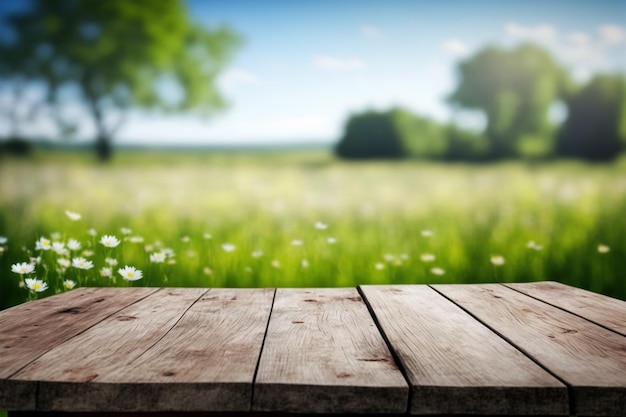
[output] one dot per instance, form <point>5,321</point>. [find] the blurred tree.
<point>465,145</point>
<point>515,89</point>
<point>371,134</point>
<point>595,127</point>
<point>394,133</point>
<point>106,57</point>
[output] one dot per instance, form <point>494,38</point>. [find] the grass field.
<point>304,219</point>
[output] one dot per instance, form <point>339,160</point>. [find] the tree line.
<point>514,89</point>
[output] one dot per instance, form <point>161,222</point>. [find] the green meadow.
<point>297,219</point>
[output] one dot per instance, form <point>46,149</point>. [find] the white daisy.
<point>109,241</point>
<point>427,257</point>
<point>427,233</point>
<point>437,271</point>
<point>3,240</point>
<point>257,253</point>
<point>73,216</point>
<point>331,240</point>
<point>157,257</point>
<point>603,249</point>
<point>320,226</point>
<point>43,244</point>
<point>296,242</point>
<point>379,266</point>
<point>497,260</point>
<point>81,263</point>
<point>106,272</point>
<point>73,244</point>
<point>228,247</point>
<point>35,284</point>
<point>69,284</point>
<point>130,273</point>
<point>23,268</point>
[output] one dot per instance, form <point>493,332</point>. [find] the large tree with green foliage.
<point>106,57</point>
<point>595,127</point>
<point>515,89</point>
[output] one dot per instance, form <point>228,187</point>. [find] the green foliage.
<point>595,128</point>
<point>464,145</point>
<point>116,55</point>
<point>371,134</point>
<point>515,89</point>
<point>395,133</point>
<point>376,212</point>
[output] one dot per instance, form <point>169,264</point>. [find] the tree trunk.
<point>104,150</point>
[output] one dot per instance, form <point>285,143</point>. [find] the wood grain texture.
<point>205,362</point>
<point>455,364</point>
<point>600,309</point>
<point>29,330</point>
<point>589,358</point>
<point>323,353</point>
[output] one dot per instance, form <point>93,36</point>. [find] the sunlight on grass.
<point>269,221</point>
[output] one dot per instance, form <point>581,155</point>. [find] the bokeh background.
<point>321,143</point>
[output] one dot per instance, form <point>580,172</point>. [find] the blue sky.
<point>305,66</point>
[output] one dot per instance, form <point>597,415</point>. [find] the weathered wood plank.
<point>600,309</point>
<point>29,330</point>
<point>110,345</point>
<point>206,362</point>
<point>589,358</point>
<point>456,365</point>
<point>323,353</point>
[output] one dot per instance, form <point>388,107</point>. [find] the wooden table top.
<point>535,348</point>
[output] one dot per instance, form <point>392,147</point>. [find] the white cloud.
<point>456,47</point>
<point>371,32</point>
<point>338,64</point>
<point>236,76</point>
<point>540,33</point>
<point>579,38</point>
<point>612,34</point>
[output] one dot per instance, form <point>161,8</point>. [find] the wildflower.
<point>36,285</point>
<point>304,263</point>
<point>59,248</point>
<point>1,249</point>
<point>69,284</point>
<point>207,236</point>
<point>106,272</point>
<point>130,273</point>
<point>276,264</point>
<point>125,231</point>
<point>228,247</point>
<point>257,253</point>
<point>81,263</point>
<point>23,268</point>
<point>437,271</point>
<point>148,248</point>
<point>135,239</point>
<point>389,257</point>
<point>35,260</point>
<point>532,245</point>
<point>320,226</point>
<point>3,240</point>
<point>73,244</point>
<point>55,236</point>
<point>185,239</point>
<point>207,271</point>
<point>73,216</point>
<point>169,252</point>
<point>296,242</point>
<point>603,249</point>
<point>497,260</point>
<point>427,257</point>
<point>379,265</point>
<point>110,261</point>
<point>109,241</point>
<point>157,257</point>
<point>427,233</point>
<point>43,244</point>
<point>92,232</point>
<point>87,253</point>
<point>64,262</point>
<point>331,240</point>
